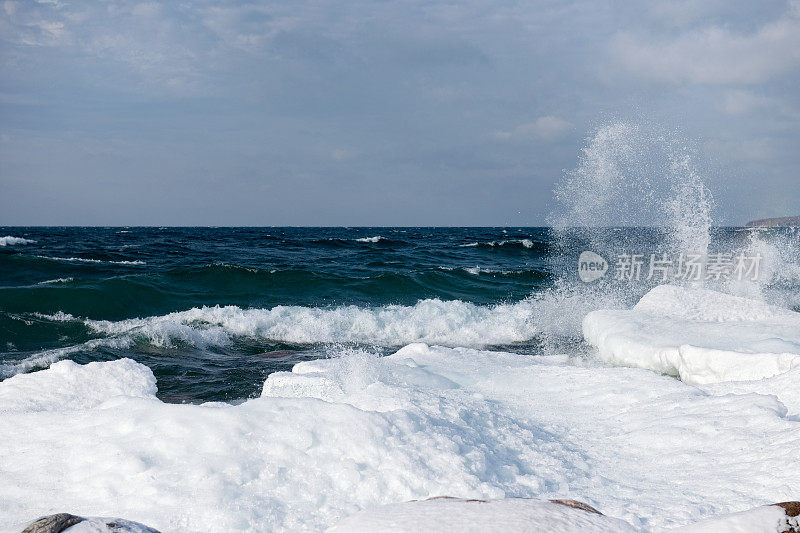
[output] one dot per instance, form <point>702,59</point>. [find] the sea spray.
<point>778,253</point>
<point>689,210</point>
<point>635,191</point>
<point>630,175</point>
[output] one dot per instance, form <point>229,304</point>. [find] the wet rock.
<point>68,523</point>
<point>54,523</point>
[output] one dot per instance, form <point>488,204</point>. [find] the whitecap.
<point>10,241</point>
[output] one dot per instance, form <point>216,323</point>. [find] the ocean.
<point>213,311</point>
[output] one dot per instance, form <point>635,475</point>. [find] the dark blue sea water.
<point>212,311</point>
<point>50,287</point>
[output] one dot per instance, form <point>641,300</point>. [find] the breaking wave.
<point>10,241</point>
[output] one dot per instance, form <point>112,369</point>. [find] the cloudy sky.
<point>225,112</point>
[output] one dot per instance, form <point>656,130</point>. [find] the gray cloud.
<point>419,112</point>
<point>548,128</point>
<point>715,54</point>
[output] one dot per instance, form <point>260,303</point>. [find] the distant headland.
<point>775,222</point>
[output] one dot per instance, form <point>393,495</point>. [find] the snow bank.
<point>765,519</point>
<point>69,386</point>
<point>783,386</point>
<point>453,515</point>
<point>338,436</point>
<point>700,335</point>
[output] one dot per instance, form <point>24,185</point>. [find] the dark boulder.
<point>61,522</point>
<point>54,523</point>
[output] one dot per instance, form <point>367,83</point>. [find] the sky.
<point>367,113</point>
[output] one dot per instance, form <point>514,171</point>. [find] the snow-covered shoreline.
<point>337,436</point>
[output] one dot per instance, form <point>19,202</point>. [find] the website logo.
<point>591,266</point>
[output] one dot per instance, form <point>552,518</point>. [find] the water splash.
<point>632,175</point>
<point>636,175</point>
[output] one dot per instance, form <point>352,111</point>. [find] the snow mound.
<point>783,386</point>
<point>339,436</point>
<point>69,386</point>
<point>700,335</point>
<point>456,515</point>
<point>765,519</point>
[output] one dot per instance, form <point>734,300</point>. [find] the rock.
<point>445,514</point>
<point>453,498</point>
<point>575,504</point>
<point>792,509</point>
<point>54,523</point>
<point>68,523</point>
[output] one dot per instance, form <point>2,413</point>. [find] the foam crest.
<point>87,260</point>
<point>11,241</point>
<point>547,319</point>
<point>435,321</point>
<point>47,357</point>
<point>524,243</point>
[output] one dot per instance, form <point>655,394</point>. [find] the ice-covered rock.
<point>451,515</point>
<point>54,523</point>
<point>69,523</point>
<point>700,335</point>
<point>777,518</point>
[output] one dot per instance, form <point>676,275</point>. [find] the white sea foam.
<point>435,321</point>
<point>11,241</point>
<point>57,280</point>
<point>547,315</point>
<point>478,270</point>
<point>526,243</point>
<point>376,238</point>
<point>87,260</point>
<point>338,436</point>
<point>58,316</point>
<point>778,256</point>
<point>47,357</point>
